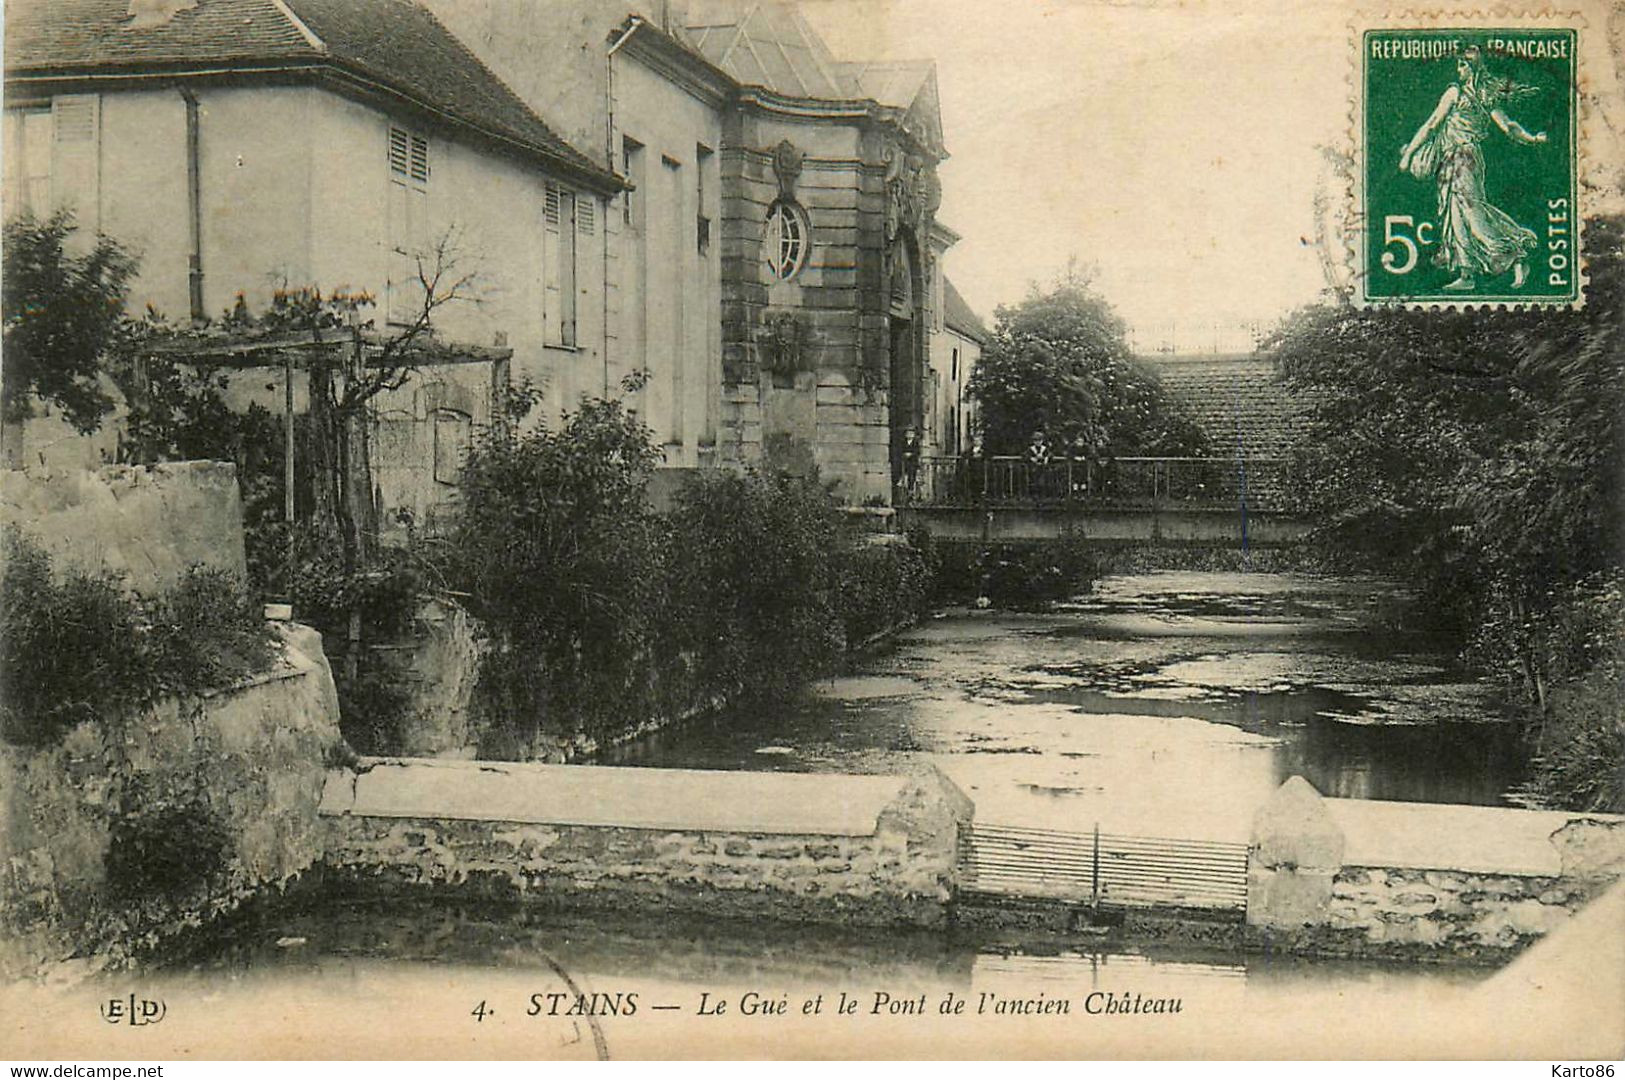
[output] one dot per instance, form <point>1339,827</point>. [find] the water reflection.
<point>670,955</point>
<point>1168,703</point>
<point>404,981</point>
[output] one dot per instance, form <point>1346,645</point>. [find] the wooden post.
<point>354,425</point>
<point>352,654</point>
<point>287,471</point>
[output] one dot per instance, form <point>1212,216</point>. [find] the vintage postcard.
<point>540,530</point>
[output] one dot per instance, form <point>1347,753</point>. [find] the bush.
<point>1581,762</point>
<point>883,586</point>
<point>1580,739</point>
<point>84,649</point>
<point>1024,577</point>
<point>562,560</point>
<point>69,652</point>
<point>163,848</point>
<point>373,705</point>
<point>603,614</point>
<point>63,311</point>
<point>754,581</point>
<point>207,633</point>
<point>1479,457</point>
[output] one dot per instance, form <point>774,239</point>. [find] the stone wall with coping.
<point>249,759</point>
<point>813,848</point>
<point>1359,877</point>
<point>147,523</point>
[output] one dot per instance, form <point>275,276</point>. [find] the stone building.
<point>957,338</point>
<point>713,200</point>
<point>774,266</point>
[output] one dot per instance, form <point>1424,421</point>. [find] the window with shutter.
<point>562,216</point>
<point>410,248</point>
<point>28,151</point>
<point>632,168</point>
<point>702,219</point>
<point>74,118</point>
<point>52,159</point>
<point>418,167</point>
<point>399,150</point>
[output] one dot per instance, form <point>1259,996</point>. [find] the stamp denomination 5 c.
<point>1469,165</point>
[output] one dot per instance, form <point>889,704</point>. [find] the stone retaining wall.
<point>1357,877</point>
<point>1448,909</point>
<point>824,848</point>
<point>244,765</point>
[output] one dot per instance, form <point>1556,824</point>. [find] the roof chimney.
<point>145,13</point>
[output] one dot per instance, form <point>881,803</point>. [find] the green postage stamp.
<point>1468,165</point>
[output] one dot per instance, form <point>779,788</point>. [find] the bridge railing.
<point>1144,483</point>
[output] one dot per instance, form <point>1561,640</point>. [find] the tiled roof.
<point>958,316</point>
<point>1242,405</point>
<point>767,43</point>
<point>103,33</point>
<point>395,44</point>
<point>1236,400</point>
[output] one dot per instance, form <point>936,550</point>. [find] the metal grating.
<point>1103,869</point>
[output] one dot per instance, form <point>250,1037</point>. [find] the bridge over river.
<point>1237,501</point>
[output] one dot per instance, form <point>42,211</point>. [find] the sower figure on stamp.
<point>1475,237</point>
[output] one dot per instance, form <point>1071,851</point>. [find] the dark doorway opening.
<point>904,408</point>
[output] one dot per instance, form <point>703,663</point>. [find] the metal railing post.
<point>1096,889</point>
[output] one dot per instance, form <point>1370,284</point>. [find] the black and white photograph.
<point>743,530</point>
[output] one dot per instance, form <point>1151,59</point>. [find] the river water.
<point>437,980</point>
<point>1161,704</point>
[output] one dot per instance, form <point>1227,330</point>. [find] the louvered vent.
<point>400,151</point>
<point>409,155</point>
<point>74,119</point>
<point>585,219</point>
<point>552,209</point>
<point>420,158</point>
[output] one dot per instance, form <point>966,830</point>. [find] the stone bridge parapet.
<point>1366,877</point>
<point>875,850</point>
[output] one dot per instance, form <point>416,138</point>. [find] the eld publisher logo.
<point>134,1011</point>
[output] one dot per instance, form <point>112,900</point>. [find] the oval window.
<point>785,243</point>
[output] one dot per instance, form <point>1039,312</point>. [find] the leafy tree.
<point>62,311</point>
<point>1059,367</point>
<point>1480,455</point>
<point>1464,448</point>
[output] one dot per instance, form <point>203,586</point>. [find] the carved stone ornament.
<point>913,193</point>
<point>930,192</point>
<point>785,342</point>
<point>787,161</point>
